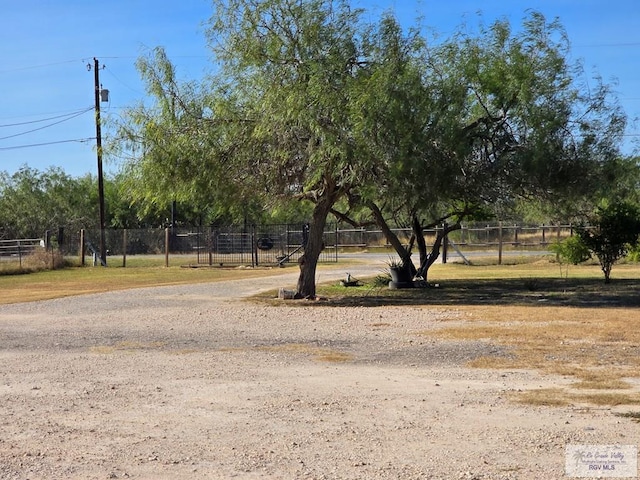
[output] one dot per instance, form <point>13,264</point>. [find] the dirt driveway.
<point>192,382</point>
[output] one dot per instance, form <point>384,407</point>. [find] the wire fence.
<point>272,245</point>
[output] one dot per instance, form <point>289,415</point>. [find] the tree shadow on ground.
<point>585,293</point>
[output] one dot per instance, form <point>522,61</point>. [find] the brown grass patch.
<point>46,285</point>
<point>126,346</point>
<point>560,397</point>
<point>319,353</point>
<point>598,347</point>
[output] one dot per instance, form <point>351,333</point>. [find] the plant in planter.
<point>401,276</point>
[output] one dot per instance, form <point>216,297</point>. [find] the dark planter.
<point>400,277</point>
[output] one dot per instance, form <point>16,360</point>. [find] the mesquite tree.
<point>310,103</point>
<point>480,120</point>
<point>293,71</point>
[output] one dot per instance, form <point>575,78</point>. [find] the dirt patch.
<point>186,383</point>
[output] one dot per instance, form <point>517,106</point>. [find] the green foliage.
<point>482,121</point>
<point>614,229</point>
<point>32,202</point>
<point>571,250</point>
<point>634,253</point>
<point>310,102</point>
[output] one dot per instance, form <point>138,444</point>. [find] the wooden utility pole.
<point>103,246</point>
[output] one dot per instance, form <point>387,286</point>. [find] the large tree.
<point>310,103</point>
<point>292,70</point>
<point>499,116</point>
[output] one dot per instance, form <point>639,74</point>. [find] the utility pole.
<point>103,246</point>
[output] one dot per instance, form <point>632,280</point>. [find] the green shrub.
<point>634,254</point>
<point>571,250</point>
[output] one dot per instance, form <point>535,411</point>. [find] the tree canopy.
<point>370,122</point>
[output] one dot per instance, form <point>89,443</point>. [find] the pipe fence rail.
<point>18,249</point>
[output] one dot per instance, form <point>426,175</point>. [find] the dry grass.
<point>126,346</point>
<point>44,285</point>
<point>37,261</point>
<point>319,353</point>
<point>576,327</point>
<point>597,346</point>
<point>561,397</point>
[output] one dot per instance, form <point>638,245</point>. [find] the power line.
<point>19,69</point>
<point>77,114</point>
<point>43,119</point>
<point>79,140</point>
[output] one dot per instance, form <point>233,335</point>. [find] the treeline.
<point>34,201</point>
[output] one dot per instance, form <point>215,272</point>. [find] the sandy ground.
<point>193,382</point>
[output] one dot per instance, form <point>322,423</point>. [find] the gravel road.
<point>193,382</point>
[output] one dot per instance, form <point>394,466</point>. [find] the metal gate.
<point>260,245</point>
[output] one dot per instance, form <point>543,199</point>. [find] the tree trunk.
<point>391,237</point>
<point>309,260</point>
<point>606,269</point>
<point>419,236</point>
<point>432,256</point>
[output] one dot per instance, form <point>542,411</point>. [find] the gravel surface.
<point>193,382</point>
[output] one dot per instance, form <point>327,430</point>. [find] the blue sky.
<point>46,91</point>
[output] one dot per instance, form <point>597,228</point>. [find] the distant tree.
<point>612,231</point>
<point>32,202</point>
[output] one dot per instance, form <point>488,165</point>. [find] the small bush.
<point>571,250</point>
<point>634,254</point>
<point>381,280</point>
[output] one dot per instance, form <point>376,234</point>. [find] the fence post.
<point>166,247</point>
<point>254,247</point>
<point>211,244</point>
<point>19,255</point>
<point>198,243</point>
<point>445,243</point>
<point>500,243</point>
<point>124,248</point>
<point>82,247</point>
